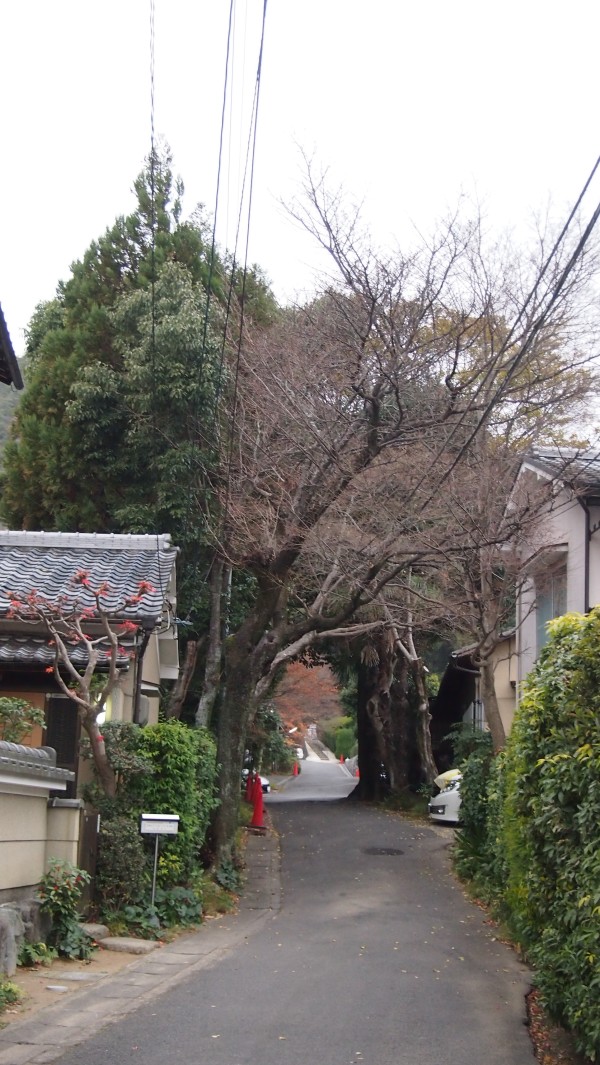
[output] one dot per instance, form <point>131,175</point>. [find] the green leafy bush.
<point>9,993</point>
<point>179,906</point>
<point>31,954</point>
<point>531,840</point>
<point>339,735</point>
<point>172,749</point>
<point>17,718</point>
<point>473,755</point>
<point>60,892</point>
<point>551,824</point>
<point>345,742</point>
<point>123,742</point>
<point>164,768</point>
<point>122,871</point>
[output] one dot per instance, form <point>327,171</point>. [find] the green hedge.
<point>540,858</point>
<point>172,750</point>
<point>164,768</point>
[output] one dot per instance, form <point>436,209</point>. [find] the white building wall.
<point>564,528</point>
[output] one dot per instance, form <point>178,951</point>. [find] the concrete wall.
<point>32,828</point>
<point>23,839</point>
<point>505,679</point>
<point>63,821</point>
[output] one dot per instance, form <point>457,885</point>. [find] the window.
<point>551,601</point>
<point>62,733</point>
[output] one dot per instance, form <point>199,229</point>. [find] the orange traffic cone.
<point>357,772</point>
<point>257,802</point>
<point>342,759</point>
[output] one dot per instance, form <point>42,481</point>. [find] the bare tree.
<point>92,636</point>
<point>350,415</point>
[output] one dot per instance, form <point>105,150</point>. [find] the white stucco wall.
<point>564,529</point>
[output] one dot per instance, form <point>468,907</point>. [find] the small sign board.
<point>159,824</point>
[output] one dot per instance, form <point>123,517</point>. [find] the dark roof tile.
<point>579,467</point>
<point>36,652</point>
<point>10,372</point>
<point>48,562</point>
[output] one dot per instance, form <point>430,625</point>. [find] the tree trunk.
<point>212,672</point>
<point>235,715</point>
<point>247,656</point>
<point>186,673</point>
<point>369,758</point>
<point>428,765</point>
<point>402,744</point>
<point>490,704</point>
<point>374,717</point>
<point>106,775</point>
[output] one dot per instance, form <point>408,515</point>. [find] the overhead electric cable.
<point>553,297</point>
<point>255,111</point>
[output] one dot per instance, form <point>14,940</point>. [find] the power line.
<point>533,333</point>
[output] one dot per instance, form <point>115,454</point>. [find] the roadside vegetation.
<point>530,841</point>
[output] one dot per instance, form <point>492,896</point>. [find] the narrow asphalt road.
<point>374,957</point>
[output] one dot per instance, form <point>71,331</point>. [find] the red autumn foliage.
<point>306,695</point>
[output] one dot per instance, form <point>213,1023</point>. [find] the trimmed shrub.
<point>531,841</point>
<point>172,749</point>
<point>551,824</point>
<point>122,873</point>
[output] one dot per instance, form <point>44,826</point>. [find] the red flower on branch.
<point>82,577</point>
<point>145,586</point>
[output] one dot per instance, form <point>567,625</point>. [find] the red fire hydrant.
<point>295,769</point>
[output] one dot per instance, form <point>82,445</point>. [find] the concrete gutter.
<point>46,1035</point>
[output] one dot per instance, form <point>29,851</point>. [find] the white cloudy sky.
<point>407,104</point>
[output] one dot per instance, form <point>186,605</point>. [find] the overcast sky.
<point>406,104</point>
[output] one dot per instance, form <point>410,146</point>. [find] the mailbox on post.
<point>158,825</point>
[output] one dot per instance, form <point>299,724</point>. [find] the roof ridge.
<point>102,541</point>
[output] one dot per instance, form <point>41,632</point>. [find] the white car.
<point>445,806</point>
<point>265,782</point>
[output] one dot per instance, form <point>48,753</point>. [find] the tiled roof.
<point>32,761</point>
<point>10,373</point>
<point>579,467</point>
<point>48,562</point>
<point>36,652</point>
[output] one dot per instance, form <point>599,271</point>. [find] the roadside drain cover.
<point>383,850</point>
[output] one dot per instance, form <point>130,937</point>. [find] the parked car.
<point>445,806</point>
<point>265,782</point>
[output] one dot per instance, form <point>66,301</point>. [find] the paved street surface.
<point>374,957</point>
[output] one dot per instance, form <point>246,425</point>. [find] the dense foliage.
<point>17,718</point>
<point>535,841</point>
<point>126,369</point>
<point>164,768</point>
<point>267,747</point>
<point>172,749</point>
